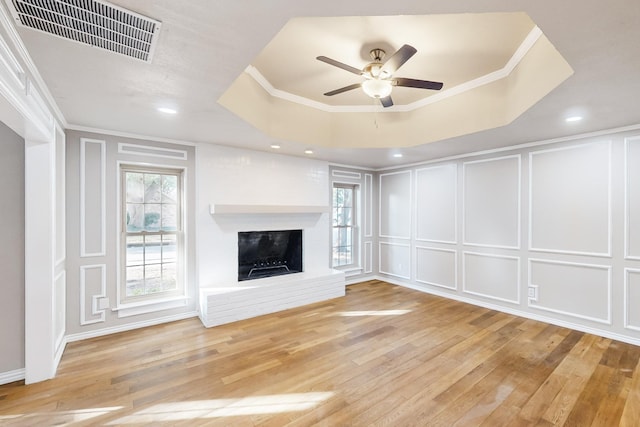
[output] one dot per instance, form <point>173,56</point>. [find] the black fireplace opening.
<point>269,253</point>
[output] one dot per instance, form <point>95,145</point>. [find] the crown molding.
<point>16,41</point>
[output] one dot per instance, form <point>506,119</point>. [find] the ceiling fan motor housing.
<point>377,54</point>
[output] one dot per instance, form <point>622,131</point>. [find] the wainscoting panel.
<point>368,205</point>
<point>573,289</point>
<point>60,298</point>
<point>632,198</point>
<point>60,229</point>
<point>368,257</point>
<point>395,259</point>
<point>570,206</point>
<point>436,198</point>
<point>345,174</point>
<point>93,285</point>
<point>437,267</point>
<point>631,298</point>
<point>492,276</point>
<point>147,151</point>
<point>92,197</point>
<point>491,212</point>
<point>395,205</point>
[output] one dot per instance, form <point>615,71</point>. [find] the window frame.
<point>355,228</point>
<point>177,294</point>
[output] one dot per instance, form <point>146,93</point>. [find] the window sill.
<point>349,270</point>
<point>150,306</point>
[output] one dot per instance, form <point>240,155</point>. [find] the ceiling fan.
<point>379,80</point>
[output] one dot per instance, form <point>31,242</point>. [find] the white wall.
<point>548,231</point>
<point>236,176</point>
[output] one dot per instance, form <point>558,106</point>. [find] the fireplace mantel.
<point>226,209</point>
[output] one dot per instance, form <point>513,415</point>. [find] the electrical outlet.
<point>103,303</point>
<point>533,293</point>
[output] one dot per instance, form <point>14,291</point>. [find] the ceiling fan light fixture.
<point>377,88</point>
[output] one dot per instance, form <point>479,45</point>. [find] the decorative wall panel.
<point>632,198</point>
<point>368,257</point>
<point>345,174</point>
<point>492,276</point>
<point>93,285</point>
<point>570,199</point>
<point>368,205</point>
<point>631,298</point>
<point>491,215</point>
<point>60,230</point>
<point>395,260</point>
<point>573,289</point>
<point>437,267</point>
<point>395,205</point>
<point>59,297</point>
<point>92,197</point>
<point>436,196</point>
<point>147,151</point>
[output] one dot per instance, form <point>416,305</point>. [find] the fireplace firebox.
<point>269,253</point>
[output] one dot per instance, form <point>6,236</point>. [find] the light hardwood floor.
<point>383,355</point>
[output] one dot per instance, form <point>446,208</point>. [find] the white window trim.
<point>356,233</point>
<point>163,301</point>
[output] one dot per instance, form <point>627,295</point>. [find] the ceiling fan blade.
<point>396,60</point>
<point>386,101</point>
<point>338,64</point>
<point>343,89</point>
<point>420,84</point>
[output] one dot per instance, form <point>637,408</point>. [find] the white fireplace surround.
<point>250,191</point>
<point>229,301</point>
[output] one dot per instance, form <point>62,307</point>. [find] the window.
<point>344,225</point>
<point>152,234</point>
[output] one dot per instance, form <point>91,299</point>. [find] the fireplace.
<point>269,253</point>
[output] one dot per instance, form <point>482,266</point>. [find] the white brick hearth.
<point>220,305</point>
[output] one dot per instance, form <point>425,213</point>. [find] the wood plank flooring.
<point>383,355</point>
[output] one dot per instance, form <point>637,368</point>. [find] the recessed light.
<point>397,155</point>
<point>573,119</point>
<point>275,146</point>
<point>167,110</point>
<point>308,151</point>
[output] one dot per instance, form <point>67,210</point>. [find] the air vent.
<point>92,22</point>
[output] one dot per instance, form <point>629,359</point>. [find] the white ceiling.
<point>205,45</point>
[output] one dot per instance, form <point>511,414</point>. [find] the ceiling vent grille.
<point>91,22</point>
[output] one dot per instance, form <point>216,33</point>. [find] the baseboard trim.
<point>519,313</point>
<point>59,353</point>
<point>12,376</point>
<point>128,327</point>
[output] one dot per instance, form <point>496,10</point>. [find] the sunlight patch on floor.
<point>61,418</point>
<point>373,313</point>
<point>215,408</point>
